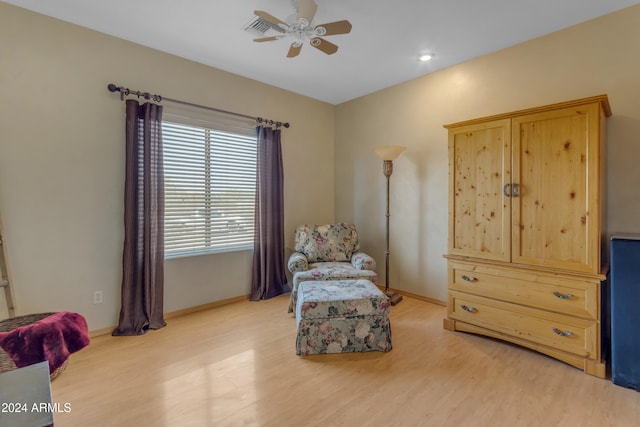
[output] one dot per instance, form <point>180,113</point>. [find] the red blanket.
<point>52,339</point>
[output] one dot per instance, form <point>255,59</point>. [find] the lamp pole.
<point>387,154</point>
<point>387,168</point>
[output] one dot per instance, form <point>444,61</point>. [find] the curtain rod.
<point>157,98</point>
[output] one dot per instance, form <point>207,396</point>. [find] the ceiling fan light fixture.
<point>425,57</point>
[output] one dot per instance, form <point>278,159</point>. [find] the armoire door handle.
<point>511,190</point>
<point>516,190</point>
<point>504,190</point>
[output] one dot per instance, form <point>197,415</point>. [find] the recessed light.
<point>425,57</point>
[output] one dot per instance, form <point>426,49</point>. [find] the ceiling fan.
<point>301,28</point>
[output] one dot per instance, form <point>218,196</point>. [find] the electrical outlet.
<point>97,297</point>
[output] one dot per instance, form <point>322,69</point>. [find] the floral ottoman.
<point>340,316</point>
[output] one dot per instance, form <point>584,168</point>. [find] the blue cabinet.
<point>625,311</point>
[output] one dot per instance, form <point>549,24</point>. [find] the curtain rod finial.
<point>113,88</point>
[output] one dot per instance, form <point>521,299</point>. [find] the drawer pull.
<point>468,278</point>
<point>467,308</point>
<point>561,333</point>
<point>562,296</point>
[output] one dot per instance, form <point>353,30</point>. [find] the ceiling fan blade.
<point>294,50</point>
<point>333,28</point>
<point>268,17</point>
<point>323,45</point>
<point>307,10</point>
<point>267,39</point>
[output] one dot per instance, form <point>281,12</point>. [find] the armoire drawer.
<point>566,333</point>
<point>562,295</point>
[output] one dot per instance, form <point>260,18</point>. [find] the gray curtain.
<point>143,254</point>
<point>269,278</point>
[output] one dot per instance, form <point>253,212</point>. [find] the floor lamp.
<point>388,154</point>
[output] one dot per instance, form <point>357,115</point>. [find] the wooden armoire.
<point>526,229</point>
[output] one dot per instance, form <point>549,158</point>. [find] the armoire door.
<point>479,171</point>
<point>556,173</point>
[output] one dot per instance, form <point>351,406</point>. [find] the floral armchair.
<point>328,252</point>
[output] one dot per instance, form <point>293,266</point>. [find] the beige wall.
<point>62,163</point>
<point>62,154</point>
<point>600,56</point>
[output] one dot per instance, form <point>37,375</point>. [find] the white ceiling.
<point>380,51</point>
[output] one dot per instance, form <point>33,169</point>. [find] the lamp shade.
<point>388,152</point>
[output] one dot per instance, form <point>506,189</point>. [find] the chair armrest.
<point>297,262</point>
<point>362,261</point>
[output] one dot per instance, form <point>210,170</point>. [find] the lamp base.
<point>394,297</point>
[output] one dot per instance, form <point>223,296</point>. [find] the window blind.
<point>210,180</point>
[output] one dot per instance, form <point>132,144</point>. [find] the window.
<point>210,180</point>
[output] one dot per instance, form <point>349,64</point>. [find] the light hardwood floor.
<point>236,366</point>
